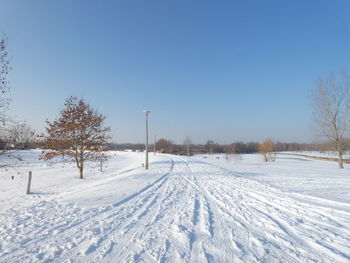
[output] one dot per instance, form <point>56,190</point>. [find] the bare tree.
<point>77,135</point>
<point>232,152</point>
<point>331,110</point>
<point>209,146</point>
<point>187,143</point>
<point>4,71</point>
<point>266,149</point>
<point>22,134</point>
<point>4,84</point>
<point>5,146</point>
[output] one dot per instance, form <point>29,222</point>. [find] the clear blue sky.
<point>220,70</point>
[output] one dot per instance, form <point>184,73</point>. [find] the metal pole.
<point>29,182</point>
<point>154,146</point>
<point>146,166</point>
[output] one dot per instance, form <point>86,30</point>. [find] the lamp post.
<point>146,112</point>
<point>154,145</point>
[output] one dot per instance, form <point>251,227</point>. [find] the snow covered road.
<point>193,212</point>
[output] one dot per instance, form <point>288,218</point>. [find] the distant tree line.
<point>127,146</point>
<point>167,146</point>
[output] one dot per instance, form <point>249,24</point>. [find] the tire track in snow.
<point>212,228</point>
<point>44,244</point>
<point>197,213</point>
<point>296,214</point>
<point>249,203</point>
<point>127,213</point>
<point>195,232</point>
<point>151,234</point>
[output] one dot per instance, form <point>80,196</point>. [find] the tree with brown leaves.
<point>164,146</point>
<point>78,135</point>
<point>266,149</point>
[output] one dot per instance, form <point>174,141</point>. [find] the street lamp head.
<point>146,112</point>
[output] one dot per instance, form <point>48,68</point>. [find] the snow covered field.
<point>292,174</point>
<point>182,210</point>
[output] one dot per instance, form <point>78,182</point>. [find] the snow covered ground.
<point>291,174</point>
<point>182,210</point>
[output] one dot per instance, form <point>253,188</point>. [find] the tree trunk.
<point>81,166</point>
<point>340,154</point>
<point>341,164</point>
<point>81,172</point>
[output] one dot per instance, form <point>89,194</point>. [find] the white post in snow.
<point>154,146</point>
<point>29,182</point>
<point>146,112</point>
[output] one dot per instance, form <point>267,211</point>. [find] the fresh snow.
<point>184,209</point>
<point>292,174</point>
